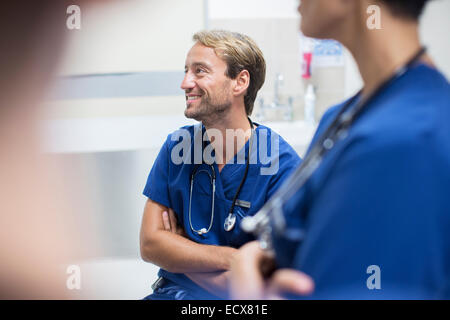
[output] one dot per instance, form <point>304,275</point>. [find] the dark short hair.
<point>410,9</point>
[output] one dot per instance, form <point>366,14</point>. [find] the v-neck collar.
<point>232,166</point>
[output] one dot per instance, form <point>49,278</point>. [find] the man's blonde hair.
<point>239,52</point>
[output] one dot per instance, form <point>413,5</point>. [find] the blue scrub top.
<point>381,197</point>
<point>169,184</point>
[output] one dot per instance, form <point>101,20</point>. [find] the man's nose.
<point>188,81</point>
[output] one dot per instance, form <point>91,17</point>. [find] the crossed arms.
<point>163,243</point>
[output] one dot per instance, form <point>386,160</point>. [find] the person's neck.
<point>378,53</point>
<point>239,130</point>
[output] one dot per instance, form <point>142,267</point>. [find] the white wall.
<point>434,31</point>
<point>133,35</point>
<point>252,9</point>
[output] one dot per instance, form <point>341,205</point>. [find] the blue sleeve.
<point>157,186</point>
<point>288,161</point>
<point>379,206</point>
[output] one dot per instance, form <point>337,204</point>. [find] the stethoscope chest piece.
<point>202,231</point>
<point>230,221</point>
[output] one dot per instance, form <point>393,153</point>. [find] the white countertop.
<point>78,135</point>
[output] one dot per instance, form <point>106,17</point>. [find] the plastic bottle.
<point>310,105</point>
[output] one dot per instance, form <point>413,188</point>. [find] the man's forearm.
<point>180,255</point>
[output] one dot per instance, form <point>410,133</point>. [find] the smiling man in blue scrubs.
<point>209,176</point>
<point>375,214</point>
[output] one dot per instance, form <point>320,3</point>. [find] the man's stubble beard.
<point>210,111</point>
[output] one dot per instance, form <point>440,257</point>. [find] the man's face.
<point>208,90</point>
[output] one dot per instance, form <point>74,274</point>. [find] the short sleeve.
<point>157,186</point>
<point>288,161</point>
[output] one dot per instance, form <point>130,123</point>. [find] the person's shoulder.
<point>424,84</point>
<point>285,149</point>
<point>414,111</point>
<point>185,133</point>
<point>422,89</point>
<point>431,78</point>
<point>327,118</point>
<point>331,113</point>
<point>187,129</point>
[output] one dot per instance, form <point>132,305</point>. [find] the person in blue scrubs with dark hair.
<point>208,177</point>
<point>372,220</point>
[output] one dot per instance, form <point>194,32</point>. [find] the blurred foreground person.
<point>36,234</point>
<point>371,221</point>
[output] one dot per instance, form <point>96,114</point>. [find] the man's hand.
<point>247,277</point>
<point>171,224</point>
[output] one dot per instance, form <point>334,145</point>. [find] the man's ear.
<point>242,81</point>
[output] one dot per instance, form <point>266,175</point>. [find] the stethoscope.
<point>230,220</point>
<point>270,217</point>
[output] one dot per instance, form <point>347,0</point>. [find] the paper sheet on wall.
<point>327,53</point>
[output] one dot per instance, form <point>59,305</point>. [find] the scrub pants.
<point>170,292</point>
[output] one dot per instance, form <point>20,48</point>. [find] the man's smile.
<point>190,98</point>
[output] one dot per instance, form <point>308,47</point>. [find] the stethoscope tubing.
<point>203,231</point>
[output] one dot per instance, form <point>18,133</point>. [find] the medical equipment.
<point>230,220</point>
<point>269,223</point>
